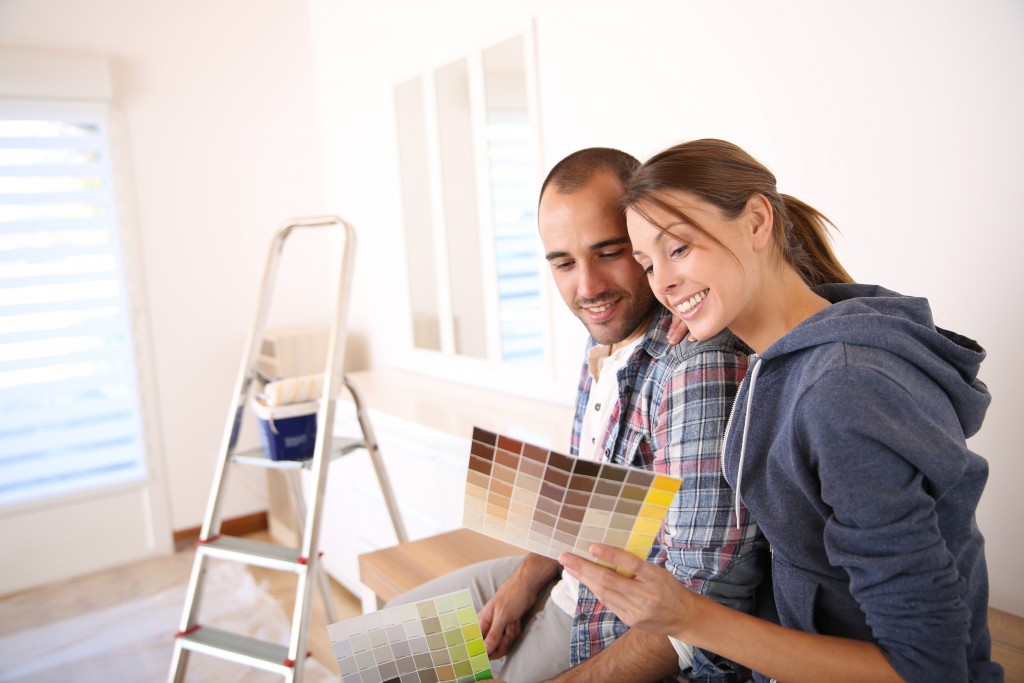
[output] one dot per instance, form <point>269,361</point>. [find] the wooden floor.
<point>48,606</point>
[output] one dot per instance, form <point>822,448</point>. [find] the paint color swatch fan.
<point>431,641</point>
<point>549,503</point>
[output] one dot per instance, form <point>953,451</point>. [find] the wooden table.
<point>392,571</point>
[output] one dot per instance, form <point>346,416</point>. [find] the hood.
<point>868,315</point>
<point>872,316</point>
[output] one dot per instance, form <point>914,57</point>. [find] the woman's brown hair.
<point>724,175</point>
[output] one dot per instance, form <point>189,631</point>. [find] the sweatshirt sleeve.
<point>881,458</point>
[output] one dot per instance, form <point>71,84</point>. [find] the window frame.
<point>556,379</point>
<point>95,105</point>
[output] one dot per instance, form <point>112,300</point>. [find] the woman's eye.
<point>679,251</point>
<point>648,270</point>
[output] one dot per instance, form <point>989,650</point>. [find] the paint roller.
<point>292,390</point>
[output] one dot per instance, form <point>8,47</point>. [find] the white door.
<point>80,487</point>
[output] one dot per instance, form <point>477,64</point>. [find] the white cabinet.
<point>427,470</point>
<point>423,428</point>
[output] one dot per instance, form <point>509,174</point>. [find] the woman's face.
<point>704,280</point>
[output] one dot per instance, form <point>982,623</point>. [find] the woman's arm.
<point>654,601</point>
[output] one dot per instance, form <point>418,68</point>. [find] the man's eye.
<point>611,254</point>
<point>562,265</point>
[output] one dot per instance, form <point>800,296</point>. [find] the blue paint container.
<point>287,432</point>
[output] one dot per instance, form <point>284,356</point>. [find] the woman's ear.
<point>761,219</point>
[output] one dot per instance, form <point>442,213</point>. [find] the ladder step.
<point>257,553</point>
<point>257,458</point>
<point>237,648</point>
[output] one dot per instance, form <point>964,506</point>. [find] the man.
<point>642,402</point>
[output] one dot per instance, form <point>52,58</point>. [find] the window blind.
<point>69,415</point>
<point>517,246</point>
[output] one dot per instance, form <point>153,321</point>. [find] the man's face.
<point>591,259</point>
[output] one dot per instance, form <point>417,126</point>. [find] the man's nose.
<point>592,282</point>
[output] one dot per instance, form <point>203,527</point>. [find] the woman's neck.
<point>784,303</point>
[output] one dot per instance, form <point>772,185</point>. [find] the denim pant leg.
<point>541,651</point>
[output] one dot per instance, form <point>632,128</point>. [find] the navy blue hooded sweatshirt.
<point>847,444</point>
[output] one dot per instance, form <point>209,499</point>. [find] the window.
<point>470,171</point>
<point>68,391</point>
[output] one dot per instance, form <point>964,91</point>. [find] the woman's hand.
<point>653,600</point>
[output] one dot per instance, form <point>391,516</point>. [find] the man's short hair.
<point>575,171</point>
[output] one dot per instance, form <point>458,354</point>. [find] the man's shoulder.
<point>722,346</point>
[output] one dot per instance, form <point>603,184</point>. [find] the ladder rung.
<point>257,553</point>
<point>237,648</point>
<point>256,457</point>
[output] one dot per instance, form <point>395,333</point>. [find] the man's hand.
<point>501,619</point>
<point>678,330</point>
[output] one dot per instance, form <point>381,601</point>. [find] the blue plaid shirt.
<point>674,402</point>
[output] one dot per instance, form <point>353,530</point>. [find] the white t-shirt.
<point>604,394</point>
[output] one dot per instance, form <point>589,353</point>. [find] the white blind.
<point>69,417</point>
<point>517,246</point>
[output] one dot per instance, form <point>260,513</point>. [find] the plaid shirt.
<point>673,405</point>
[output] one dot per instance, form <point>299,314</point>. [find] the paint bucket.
<point>287,432</point>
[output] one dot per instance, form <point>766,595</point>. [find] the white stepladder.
<point>287,660</point>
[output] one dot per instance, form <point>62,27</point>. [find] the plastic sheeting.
<point>132,642</point>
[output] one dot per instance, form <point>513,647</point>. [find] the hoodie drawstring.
<point>743,442</point>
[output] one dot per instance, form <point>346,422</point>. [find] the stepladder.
<point>289,658</point>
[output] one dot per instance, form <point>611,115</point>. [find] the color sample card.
<point>431,641</point>
<point>548,503</point>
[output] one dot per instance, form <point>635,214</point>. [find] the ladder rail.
<point>333,375</point>
<point>250,359</point>
<point>309,565</point>
<point>378,463</point>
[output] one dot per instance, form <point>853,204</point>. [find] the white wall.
<point>222,138</point>
<point>901,121</point>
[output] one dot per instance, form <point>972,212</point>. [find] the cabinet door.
<point>427,470</point>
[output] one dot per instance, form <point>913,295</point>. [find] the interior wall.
<point>222,142</point>
<point>900,121</point>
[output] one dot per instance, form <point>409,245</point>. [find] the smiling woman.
<point>846,443</point>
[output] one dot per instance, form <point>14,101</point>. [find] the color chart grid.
<point>431,641</point>
<point>548,503</point>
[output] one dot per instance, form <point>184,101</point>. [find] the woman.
<point>847,440</point>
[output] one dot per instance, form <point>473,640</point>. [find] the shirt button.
<point>607,452</point>
<point>593,439</point>
<point>597,406</point>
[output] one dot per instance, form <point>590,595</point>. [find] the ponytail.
<point>807,246</point>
